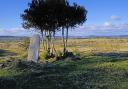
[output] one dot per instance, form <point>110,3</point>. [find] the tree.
<point>75,15</point>
<point>40,15</point>
<point>49,16</point>
<point>44,15</point>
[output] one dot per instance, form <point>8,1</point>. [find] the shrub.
<point>43,55</point>
<point>24,55</point>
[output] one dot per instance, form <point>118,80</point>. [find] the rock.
<point>33,52</point>
<point>77,58</point>
<point>2,65</point>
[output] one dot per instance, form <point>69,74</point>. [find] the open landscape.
<point>63,44</point>
<point>102,64</point>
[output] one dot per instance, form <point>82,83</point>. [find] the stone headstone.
<point>33,51</point>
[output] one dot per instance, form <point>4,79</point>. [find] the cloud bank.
<point>85,30</point>
<point>107,26</point>
<point>16,32</point>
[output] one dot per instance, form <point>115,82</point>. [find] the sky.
<point>104,18</point>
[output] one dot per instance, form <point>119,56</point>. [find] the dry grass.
<point>104,65</point>
<point>92,46</point>
<point>86,46</point>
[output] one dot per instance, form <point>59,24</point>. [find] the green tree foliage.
<point>75,15</point>
<point>50,16</point>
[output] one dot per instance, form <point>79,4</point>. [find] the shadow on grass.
<point>38,76</point>
<point>64,75</point>
<point>6,53</point>
<point>115,56</point>
<point>61,76</point>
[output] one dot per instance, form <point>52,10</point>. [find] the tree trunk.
<point>46,46</point>
<point>49,42</point>
<point>66,38</point>
<point>43,39</point>
<point>63,37</point>
<point>53,46</point>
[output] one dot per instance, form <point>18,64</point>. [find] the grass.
<point>103,65</point>
<point>89,73</point>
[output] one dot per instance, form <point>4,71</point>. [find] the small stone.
<point>2,65</point>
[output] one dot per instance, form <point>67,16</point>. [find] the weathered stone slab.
<point>33,51</point>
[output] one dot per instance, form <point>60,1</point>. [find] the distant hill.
<point>116,36</point>
<point>14,38</point>
<point>93,36</point>
<point>17,38</point>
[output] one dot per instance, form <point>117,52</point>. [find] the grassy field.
<point>103,65</point>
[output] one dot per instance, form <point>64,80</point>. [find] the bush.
<point>26,43</point>
<point>43,55</point>
<point>24,55</point>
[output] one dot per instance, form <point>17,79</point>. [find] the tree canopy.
<point>49,16</point>
<point>52,14</point>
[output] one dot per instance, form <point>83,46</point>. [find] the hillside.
<point>12,38</point>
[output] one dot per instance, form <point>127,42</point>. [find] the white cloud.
<point>106,26</point>
<point>16,32</point>
<point>106,29</point>
<point>86,29</point>
<point>115,17</point>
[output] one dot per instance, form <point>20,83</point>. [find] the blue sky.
<point>105,17</point>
